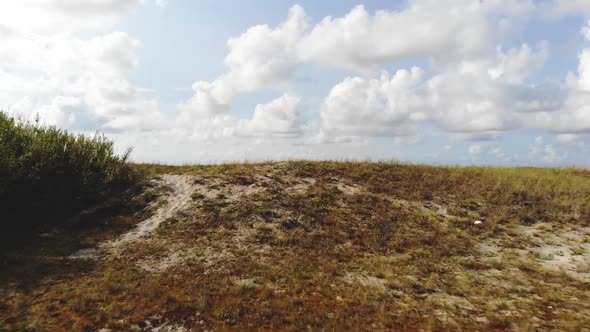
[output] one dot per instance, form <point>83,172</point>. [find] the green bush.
<point>48,174</point>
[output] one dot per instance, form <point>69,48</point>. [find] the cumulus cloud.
<point>470,99</point>
<point>73,82</point>
<point>585,31</point>
<point>472,87</point>
<point>265,58</point>
<point>373,107</point>
<point>259,59</point>
<point>439,29</point>
<point>478,109</point>
<point>475,149</point>
<point>550,154</point>
<point>544,151</point>
<point>499,153</point>
<point>572,115</point>
<point>280,117</point>
<point>51,16</point>
<point>567,138</point>
<point>567,7</point>
<point>517,64</point>
<point>460,37</point>
<point>537,147</point>
<point>203,103</point>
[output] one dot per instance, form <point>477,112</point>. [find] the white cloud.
<point>572,115</point>
<point>479,109</point>
<point>373,107</point>
<point>475,149</point>
<point>51,16</point>
<point>438,29</point>
<point>498,152</point>
<point>203,103</point>
<point>264,58</point>
<point>536,148</point>
<point>459,36</point>
<point>567,138</point>
<point>510,7</point>
<point>550,154</point>
<point>469,99</point>
<point>280,117</point>
<point>541,150</point>
<point>585,31</point>
<point>74,83</point>
<point>473,88</point>
<point>77,83</point>
<point>259,59</point>
<point>323,138</point>
<point>567,7</point>
<point>518,63</point>
<point>583,82</point>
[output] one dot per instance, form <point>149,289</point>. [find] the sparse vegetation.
<point>579,251</point>
<point>332,246</point>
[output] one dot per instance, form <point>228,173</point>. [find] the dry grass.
<point>331,246</point>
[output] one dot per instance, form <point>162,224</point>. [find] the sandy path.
<point>179,199</point>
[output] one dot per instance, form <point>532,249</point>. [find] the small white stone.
<point>477,222</point>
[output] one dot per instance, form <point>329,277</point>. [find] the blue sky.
<point>493,82</point>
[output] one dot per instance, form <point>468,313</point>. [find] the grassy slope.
<point>328,245</point>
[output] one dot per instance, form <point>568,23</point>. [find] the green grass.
<point>47,175</point>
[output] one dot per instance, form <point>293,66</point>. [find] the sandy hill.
<point>319,246</point>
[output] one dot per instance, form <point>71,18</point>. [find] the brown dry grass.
<point>328,246</point>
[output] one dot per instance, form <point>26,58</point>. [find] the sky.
<point>452,82</point>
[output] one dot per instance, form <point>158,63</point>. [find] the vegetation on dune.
<point>48,174</point>
<point>525,194</point>
<point>331,246</point>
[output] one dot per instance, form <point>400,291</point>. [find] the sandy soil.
<point>178,197</point>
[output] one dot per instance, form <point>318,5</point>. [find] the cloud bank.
<point>469,85</point>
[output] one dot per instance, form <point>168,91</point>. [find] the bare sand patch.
<point>558,249</point>
<point>365,280</point>
<point>178,198</point>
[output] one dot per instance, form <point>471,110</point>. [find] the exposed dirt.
<point>178,190</point>
<point>178,199</point>
<point>561,249</point>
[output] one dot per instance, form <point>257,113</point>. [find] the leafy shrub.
<point>48,174</point>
